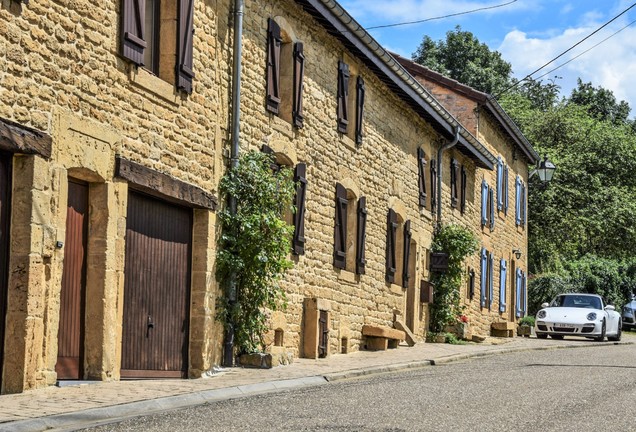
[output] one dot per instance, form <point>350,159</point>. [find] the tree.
<point>462,57</point>
<point>600,103</point>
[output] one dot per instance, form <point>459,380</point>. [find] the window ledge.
<point>396,289</point>
<point>282,126</point>
<point>348,142</point>
<point>347,276</point>
<point>153,84</point>
<point>426,213</point>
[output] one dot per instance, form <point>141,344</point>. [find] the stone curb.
<point>98,416</point>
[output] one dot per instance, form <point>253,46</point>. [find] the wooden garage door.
<point>5,183</point>
<point>156,289</point>
<point>70,337</point>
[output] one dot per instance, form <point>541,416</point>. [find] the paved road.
<point>581,389</point>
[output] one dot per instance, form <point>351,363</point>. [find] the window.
<point>433,185</point>
<point>349,231</point>
<point>471,283</point>
<point>351,90</point>
<point>503,266</point>
<point>500,184</point>
<point>521,288</point>
<point>148,32</point>
<point>491,208</point>
<point>462,205</point>
<point>421,174</point>
<point>454,174</point>
<point>486,281</point>
<point>521,204</point>
<point>400,263</point>
<point>484,203</point>
<point>285,75</point>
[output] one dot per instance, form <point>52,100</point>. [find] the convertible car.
<point>578,315</point>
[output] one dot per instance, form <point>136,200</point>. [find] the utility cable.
<point>442,17</point>
<point>529,76</point>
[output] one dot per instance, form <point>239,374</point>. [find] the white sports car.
<point>578,315</point>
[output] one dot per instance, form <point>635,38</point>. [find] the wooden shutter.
<point>421,175</point>
<point>391,233</point>
<point>359,108</point>
<point>299,75</point>
<point>518,201</point>
<point>343,96</point>
<point>340,243</point>
<point>505,190</point>
<point>453,182</point>
<point>133,30</point>
<point>483,268</point>
<point>524,204</point>
<point>433,185</point>
<point>500,174</point>
<point>462,205</point>
<point>185,72</point>
<point>518,284</point>
<point>406,254</point>
<point>361,235</point>
<point>524,281</point>
<point>491,208</point>
<point>502,285</point>
<point>471,283</point>
<point>274,42</point>
<point>491,286</point>
<point>300,177</point>
<point>484,203</point>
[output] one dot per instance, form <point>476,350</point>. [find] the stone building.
<point>113,137</point>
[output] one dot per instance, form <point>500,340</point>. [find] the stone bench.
<point>382,338</point>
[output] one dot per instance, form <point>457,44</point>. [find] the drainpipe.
<point>447,146</point>
<point>228,347</point>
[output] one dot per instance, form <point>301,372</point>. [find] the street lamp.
<point>545,169</point>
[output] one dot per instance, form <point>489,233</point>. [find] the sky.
<point>528,34</point>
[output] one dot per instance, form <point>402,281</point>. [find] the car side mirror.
<point>544,305</point>
<point>610,308</point>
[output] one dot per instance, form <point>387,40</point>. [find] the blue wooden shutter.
<point>524,310</point>
<point>518,283</point>
<point>502,285</point>
<point>500,175</point>
<point>524,204</point>
<point>484,203</point>
<point>483,273</point>
<point>518,201</point>
<point>505,190</point>
<point>491,287</point>
<point>491,208</point>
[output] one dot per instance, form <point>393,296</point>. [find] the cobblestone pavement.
<point>59,402</point>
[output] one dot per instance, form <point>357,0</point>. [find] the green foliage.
<point>255,245</point>
<point>458,242</point>
<point>454,340</point>
<point>600,103</point>
<point>527,320</point>
<point>462,57</point>
<point>544,287</point>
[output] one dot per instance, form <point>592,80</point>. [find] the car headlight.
<point>541,314</point>
<point>591,316</point>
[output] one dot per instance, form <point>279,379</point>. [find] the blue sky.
<point>528,33</point>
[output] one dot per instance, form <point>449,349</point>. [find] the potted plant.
<point>525,326</point>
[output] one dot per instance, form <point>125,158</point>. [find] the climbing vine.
<point>254,246</point>
<point>458,242</point>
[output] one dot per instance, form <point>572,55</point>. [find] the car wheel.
<point>557,337</point>
<point>619,333</point>
<point>542,336</point>
<point>600,337</point>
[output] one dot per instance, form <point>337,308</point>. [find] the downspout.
<point>228,347</point>
<point>447,146</point>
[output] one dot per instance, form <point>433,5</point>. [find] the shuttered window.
<point>491,284</point>
<point>133,30</point>
<point>524,204</point>
<point>433,185</point>
<point>274,42</point>
<point>500,178</point>
<point>391,238</point>
<point>505,190</point>
<point>524,281</point>
<point>359,108</point>
<point>518,290</point>
<point>299,75</point>
<point>343,97</point>
<point>464,179</point>
<point>185,72</point>
<point>300,177</point>
<point>421,175</point>
<point>503,269</point>
<point>484,203</point>
<point>483,275</point>
<point>471,283</point>
<point>361,236</point>
<point>453,182</point>
<point>340,229</point>
<point>406,254</point>
<point>491,208</point>
<point>518,201</point>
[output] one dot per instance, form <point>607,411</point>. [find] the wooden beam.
<point>16,138</point>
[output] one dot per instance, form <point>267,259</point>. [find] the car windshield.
<point>577,301</point>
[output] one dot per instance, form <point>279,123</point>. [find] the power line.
<point>442,17</point>
<point>527,77</point>
<point>586,51</point>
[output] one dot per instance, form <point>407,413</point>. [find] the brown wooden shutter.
<point>343,96</point>
<point>391,232</point>
<point>362,235</point>
<point>433,185</point>
<point>299,74</point>
<point>462,205</point>
<point>407,254</point>
<point>453,181</point>
<point>274,42</point>
<point>340,243</point>
<point>186,34</point>
<point>133,42</point>
<point>359,108</point>
<point>421,171</point>
<point>300,177</point>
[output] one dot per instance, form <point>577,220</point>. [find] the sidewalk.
<point>79,406</point>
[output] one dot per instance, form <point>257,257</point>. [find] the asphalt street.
<point>582,389</point>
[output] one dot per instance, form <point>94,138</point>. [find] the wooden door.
<point>5,187</point>
<point>156,289</point>
<point>70,337</point>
